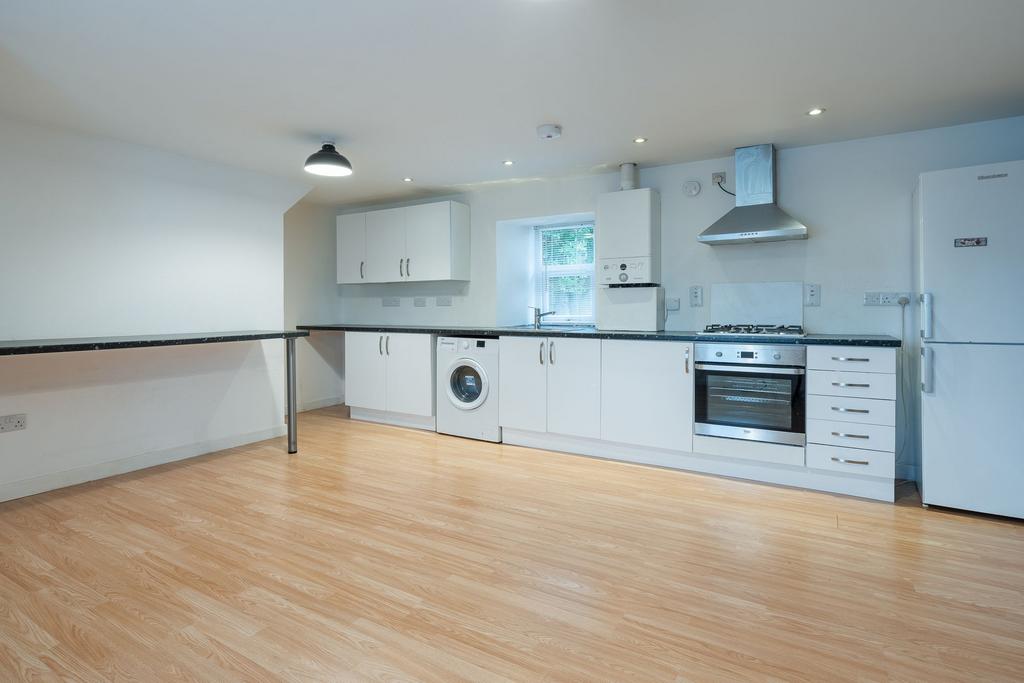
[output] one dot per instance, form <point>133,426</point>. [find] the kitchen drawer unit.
<point>851,359</point>
<point>851,461</point>
<point>852,384</point>
<point>851,435</point>
<point>858,410</point>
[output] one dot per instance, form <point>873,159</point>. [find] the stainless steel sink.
<point>554,328</point>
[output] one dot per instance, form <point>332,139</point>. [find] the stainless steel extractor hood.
<point>756,217</point>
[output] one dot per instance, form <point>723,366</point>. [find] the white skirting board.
<point>80,475</point>
<point>786,475</point>
<point>396,419</point>
<point>317,403</point>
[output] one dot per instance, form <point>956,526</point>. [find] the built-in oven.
<point>753,392</point>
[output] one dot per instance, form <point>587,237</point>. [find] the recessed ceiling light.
<point>817,111</point>
<point>328,162</point>
<point>639,141</point>
<point>407,179</point>
<point>508,162</point>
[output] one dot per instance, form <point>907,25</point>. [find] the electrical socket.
<point>672,304</point>
<point>12,423</point>
<point>696,296</point>
<point>812,294</point>
<point>419,302</point>
<point>718,178</point>
<point>390,302</point>
<point>443,301</point>
<point>885,298</point>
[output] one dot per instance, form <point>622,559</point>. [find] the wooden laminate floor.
<point>386,554</point>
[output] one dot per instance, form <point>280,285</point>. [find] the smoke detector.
<point>549,131</point>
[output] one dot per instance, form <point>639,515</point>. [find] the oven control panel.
<point>752,354</point>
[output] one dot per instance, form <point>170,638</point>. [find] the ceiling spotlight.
<point>817,111</point>
<point>639,141</point>
<point>328,162</point>
<point>508,162</point>
<point>407,179</point>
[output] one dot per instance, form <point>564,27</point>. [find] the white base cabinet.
<point>647,393</point>
<point>390,373</point>
<point>551,385</point>
<point>418,243</point>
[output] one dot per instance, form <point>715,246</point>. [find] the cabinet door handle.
<point>551,352</point>
<point>850,462</point>
<point>686,362</point>
<point>541,353</point>
<point>387,345</point>
<point>362,269</point>
<point>400,261</point>
<point>851,360</point>
<point>380,345</point>
<point>843,435</point>
<point>407,267</point>
<point>850,384</point>
<point>851,410</point>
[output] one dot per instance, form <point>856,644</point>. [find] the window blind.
<point>564,272</point>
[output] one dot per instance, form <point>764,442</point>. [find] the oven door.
<point>750,402</point>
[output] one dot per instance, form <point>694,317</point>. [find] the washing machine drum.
<point>467,384</point>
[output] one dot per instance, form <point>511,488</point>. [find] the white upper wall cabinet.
<point>407,244</point>
<point>351,248</point>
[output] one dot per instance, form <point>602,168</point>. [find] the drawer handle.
<point>851,360</point>
<point>850,384</point>
<point>843,435</point>
<point>850,462</point>
<point>851,410</point>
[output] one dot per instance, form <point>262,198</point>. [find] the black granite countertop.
<point>590,332</point>
<point>28,346</point>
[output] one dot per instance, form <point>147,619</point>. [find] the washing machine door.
<point>467,384</point>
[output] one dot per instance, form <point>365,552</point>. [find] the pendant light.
<point>327,161</point>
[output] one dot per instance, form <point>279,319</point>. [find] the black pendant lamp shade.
<point>328,162</point>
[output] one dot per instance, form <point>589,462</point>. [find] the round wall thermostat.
<point>691,188</point>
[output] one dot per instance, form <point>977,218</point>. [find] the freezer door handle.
<point>927,322</point>
<point>927,371</point>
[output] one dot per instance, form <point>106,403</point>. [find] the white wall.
<point>311,294</point>
<point>854,196</point>
<point>103,238</point>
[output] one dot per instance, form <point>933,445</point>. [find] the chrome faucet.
<point>538,315</point>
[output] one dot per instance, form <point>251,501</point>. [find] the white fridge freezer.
<point>970,249</point>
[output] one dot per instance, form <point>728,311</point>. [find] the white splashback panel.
<point>762,303</point>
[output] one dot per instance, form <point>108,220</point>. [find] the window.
<point>564,272</point>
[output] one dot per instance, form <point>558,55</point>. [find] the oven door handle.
<point>750,369</point>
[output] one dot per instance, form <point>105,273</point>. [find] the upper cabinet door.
<point>522,389</point>
<point>385,245</point>
<point>574,386</point>
<point>647,393</point>
<point>428,241</point>
<point>351,248</point>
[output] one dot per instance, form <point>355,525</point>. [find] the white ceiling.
<point>444,90</point>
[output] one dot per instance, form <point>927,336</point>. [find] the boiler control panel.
<point>624,271</point>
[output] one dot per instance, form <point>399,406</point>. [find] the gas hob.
<point>754,330</point>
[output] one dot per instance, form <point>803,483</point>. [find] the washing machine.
<point>467,388</point>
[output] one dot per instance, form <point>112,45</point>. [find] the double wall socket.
<point>12,423</point>
<point>885,298</point>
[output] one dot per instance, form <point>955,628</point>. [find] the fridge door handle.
<point>927,319</point>
<point>927,370</point>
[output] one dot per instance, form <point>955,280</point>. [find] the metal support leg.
<point>289,347</point>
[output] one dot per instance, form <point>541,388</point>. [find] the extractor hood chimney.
<point>756,217</point>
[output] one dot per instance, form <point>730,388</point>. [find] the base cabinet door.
<point>365,370</point>
<point>410,373</point>
<point>647,393</point>
<point>574,386</point>
<point>522,366</point>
